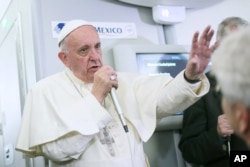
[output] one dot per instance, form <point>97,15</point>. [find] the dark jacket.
<point>200,143</point>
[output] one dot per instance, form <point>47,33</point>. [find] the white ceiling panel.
<point>186,3</point>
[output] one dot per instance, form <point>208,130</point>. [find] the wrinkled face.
<point>82,53</point>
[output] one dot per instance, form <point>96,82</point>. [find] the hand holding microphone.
<point>101,88</point>
<point>224,128</point>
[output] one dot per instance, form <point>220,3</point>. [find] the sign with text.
<point>240,158</point>
<point>105,30</point>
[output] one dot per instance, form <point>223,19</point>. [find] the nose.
<point>95,54</point>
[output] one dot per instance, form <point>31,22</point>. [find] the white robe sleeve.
<point>67,148</point>
<point>179,94</point>
<point>145,100</point>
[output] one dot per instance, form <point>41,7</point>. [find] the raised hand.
<point>200,54</point>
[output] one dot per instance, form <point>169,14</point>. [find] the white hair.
<point>231,66</point>
<point>228,25</point>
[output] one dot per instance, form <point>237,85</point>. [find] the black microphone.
<point>118,109</point>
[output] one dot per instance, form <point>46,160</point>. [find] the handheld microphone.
<point>118,109</point>
<point>229,144</point>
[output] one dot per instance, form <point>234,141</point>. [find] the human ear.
<point>64,58</point>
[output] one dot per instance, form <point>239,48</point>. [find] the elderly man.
<point>70,117</point>
<point>232,70</point>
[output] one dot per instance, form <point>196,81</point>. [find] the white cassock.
<point>62,120</point>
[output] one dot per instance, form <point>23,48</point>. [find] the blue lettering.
<point>109,30</point>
